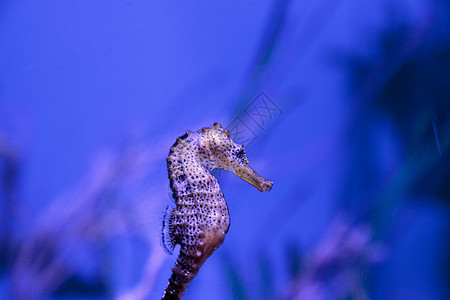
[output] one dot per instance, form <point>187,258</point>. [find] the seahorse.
<point>200,219</point>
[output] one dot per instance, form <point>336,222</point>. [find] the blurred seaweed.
<point>9,175</point>
<point>338,267</point>
<point>402,84</point>
<point>115,199</point>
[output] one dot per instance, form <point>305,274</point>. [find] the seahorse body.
<point>200,219</point>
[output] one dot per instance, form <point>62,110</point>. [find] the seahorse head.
<point>218,150</point>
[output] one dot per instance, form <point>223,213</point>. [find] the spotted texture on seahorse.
<point>200,219</point>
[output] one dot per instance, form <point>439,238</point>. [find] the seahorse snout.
<point>266,185</point>
<point>248,174</point>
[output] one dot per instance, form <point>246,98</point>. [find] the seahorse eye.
<point>241,154</point>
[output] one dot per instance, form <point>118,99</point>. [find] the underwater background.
<point>343,104</point>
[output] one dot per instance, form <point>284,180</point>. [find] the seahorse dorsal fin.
<point>166,241</point>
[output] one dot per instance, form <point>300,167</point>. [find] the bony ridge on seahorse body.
<point>200,219</point>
